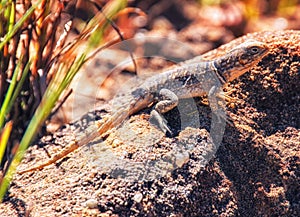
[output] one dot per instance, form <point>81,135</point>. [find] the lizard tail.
<point>96,131</point>
<point>70,148</point>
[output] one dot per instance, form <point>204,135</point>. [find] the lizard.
<point>165,89</point>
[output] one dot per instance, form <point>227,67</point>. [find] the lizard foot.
<point>159,121</point>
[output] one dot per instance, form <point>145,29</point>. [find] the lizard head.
<point>250,52</point>
<point>241,59</point>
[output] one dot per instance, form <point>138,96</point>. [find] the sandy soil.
<point>255,171</point>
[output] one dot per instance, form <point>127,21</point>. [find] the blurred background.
<point>199,25</point>
<point>200,22</point>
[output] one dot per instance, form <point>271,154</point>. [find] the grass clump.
<point>37,65</point>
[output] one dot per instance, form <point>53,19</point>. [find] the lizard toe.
<point>159,122</point>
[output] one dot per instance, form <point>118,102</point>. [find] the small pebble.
<point>182,158</point>
<point>138,197</point>
<point>91,203</point>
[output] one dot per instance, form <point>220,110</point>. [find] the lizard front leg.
<point>167,101</point>
<point>216,99</point>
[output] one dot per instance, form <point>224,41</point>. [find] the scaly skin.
<point>166,88</point>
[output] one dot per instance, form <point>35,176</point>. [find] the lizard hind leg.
<point>167,101</point>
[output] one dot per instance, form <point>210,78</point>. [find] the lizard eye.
<point>254,50</point>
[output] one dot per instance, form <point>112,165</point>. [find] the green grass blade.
<point>11,16</point>
<point>4,136</point>
<point>7,103</point>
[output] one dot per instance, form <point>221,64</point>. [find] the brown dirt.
<point>256,170</point>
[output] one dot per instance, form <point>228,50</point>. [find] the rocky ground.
<point>255,171</point>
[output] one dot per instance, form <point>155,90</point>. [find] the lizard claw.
<point>224,117</point>
<point>159,121</point>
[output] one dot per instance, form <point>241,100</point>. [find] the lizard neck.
<point>218,72</point>
<point>228,67</point>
